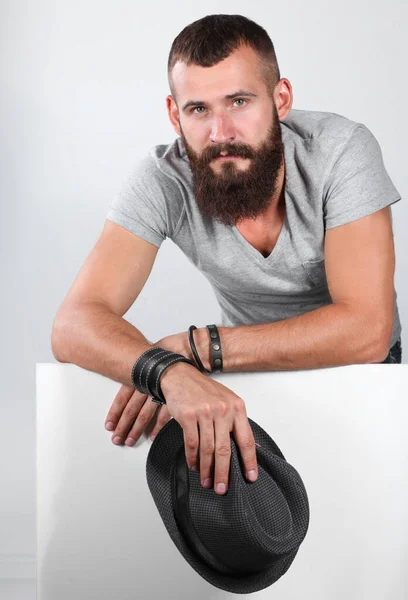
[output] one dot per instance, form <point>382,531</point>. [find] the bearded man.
<point>286,212</point>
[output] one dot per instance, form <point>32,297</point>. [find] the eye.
<point>195,108</point>
<point>240,100</point>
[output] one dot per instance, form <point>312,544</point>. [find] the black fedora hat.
<point>242,541</point>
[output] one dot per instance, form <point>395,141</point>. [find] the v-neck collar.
<point>254,253</point>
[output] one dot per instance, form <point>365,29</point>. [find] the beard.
<point>233,194</point>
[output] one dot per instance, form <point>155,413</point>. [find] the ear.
<point>173,113</point>
<point>283,97</point>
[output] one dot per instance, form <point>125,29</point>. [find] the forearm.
<point>332,335</point>
<point>95,338</point>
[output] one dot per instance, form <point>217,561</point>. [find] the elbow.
<point>57,343</point>
<point>381,342</point>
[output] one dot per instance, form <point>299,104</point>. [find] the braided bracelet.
<point>194,349</point>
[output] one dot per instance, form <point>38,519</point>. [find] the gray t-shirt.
<point>334,175</point>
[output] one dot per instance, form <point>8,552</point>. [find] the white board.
<point>100,536</point>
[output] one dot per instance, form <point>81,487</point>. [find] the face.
<point>231,131</point>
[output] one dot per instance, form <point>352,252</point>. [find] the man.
<point>286,212</point>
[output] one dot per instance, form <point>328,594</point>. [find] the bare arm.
<point>355,329</point>
<point>91,336</point>
<point>89,329</point>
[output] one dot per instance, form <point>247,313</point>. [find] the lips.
<point>227,157</point>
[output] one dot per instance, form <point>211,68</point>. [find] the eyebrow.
<point>227,97</point>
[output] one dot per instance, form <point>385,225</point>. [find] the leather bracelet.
<point>150,366</point>
<point>139,365</point>
<point>154,380</point>
<point>194,349</point>
<point>215,345</point>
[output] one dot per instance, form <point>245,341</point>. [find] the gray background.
<point>83,97</point>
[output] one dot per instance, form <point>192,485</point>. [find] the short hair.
<point>213,38</point>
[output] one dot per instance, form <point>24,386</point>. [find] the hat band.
<point>180,497</point>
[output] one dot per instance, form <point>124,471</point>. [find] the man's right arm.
<point>89,329</point>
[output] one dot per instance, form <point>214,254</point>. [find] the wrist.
<point>174,374</point>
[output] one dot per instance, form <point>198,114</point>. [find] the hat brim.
<point>159,465</point>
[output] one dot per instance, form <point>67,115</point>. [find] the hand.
<point>131,411</point>
<point>208,411</point>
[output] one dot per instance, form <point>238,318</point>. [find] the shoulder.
<point>322,141</point>
<point>151,192</point>
<point>169,161</point>
<point>161,162</point>
<point>308,125</point>
<point>161,173</point>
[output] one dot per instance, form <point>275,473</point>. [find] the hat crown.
<point>244,540</point>
<point>255,523</point>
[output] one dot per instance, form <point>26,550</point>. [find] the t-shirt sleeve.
<point>142,203</point>
<point>358,184</point>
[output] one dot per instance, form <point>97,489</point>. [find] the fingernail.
<point>130,441</point>
<point>116,440</point>
<point>251,475</point>
<point>207,483</point>
<point>152,437</point>
<point>109,425</point>
<point>194,468</point>
<point>221,487</point>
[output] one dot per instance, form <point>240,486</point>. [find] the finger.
<point>135,408</point>
<point>207,443</point>
<point>191,441</point>
<point>222,455</point>
<point>141,421</point>
<point>163,416</point>
<point>121,399</point>
<point>245,439</point>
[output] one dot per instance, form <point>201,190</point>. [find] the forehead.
<point>240,70</point>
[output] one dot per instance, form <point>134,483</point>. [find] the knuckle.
<point>163,418</point>
<point>128,411</point>
<point>122,398</point>
<point>222,408</point>
<point>190,443</point>
<point>126,389</point>
<point>248,442</point>
<point>205,409</point>
<point>239,404</point>
<point>143,418</point>
<point>189,415</point>
<point>223,450</point>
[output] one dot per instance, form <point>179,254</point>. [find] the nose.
<point>222,130</point>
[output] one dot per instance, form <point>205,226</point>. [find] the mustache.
<point>242,150</point>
